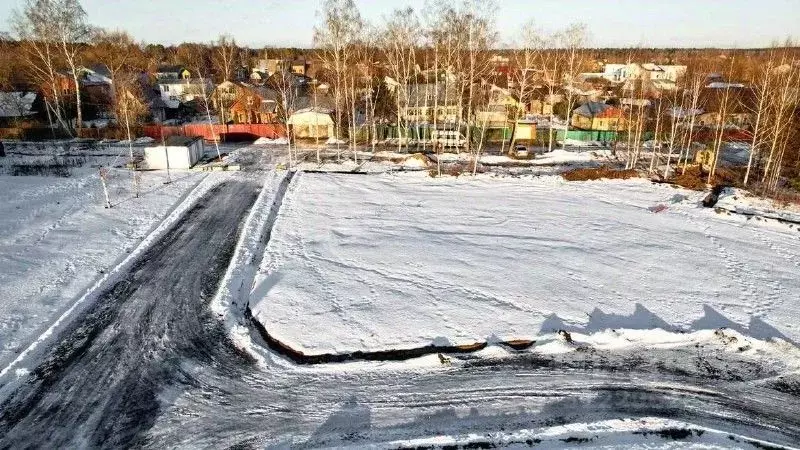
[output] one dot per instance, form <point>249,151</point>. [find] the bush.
<point>603,172</point>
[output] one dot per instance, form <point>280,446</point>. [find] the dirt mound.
<point>603,172</point>
<point>695,178</point>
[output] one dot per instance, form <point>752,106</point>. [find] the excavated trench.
<point>299,357</point>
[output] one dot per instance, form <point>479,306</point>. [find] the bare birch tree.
<point>58,25</point>
<point>40,26</point>
<point>572,41</point>
<point>334,38</point>
<point>528,57</point>
<point>283,82</point>
<point>761,87</point>
<point>721,125</point>
<point>399,43</point>
<point>226,57</point>
<point>194,57</point>
<point>784,102</point>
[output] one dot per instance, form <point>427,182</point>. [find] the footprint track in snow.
<point>755,302</point>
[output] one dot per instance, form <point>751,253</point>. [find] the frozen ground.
<point>57,239</point>
<point>146,362</point>
<point>743,202</point>
<point>387,262</point>
<point>388,161</point>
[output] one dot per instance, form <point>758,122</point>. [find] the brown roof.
<point>740,100</point>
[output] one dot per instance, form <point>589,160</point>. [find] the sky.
<point>612,23</point>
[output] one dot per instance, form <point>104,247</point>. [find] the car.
<point>448,139</point>
<point>520,152</point>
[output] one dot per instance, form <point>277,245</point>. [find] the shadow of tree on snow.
<point>644,319</point>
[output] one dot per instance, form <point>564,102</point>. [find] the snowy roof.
<point>681,113</point>
<point>17,104</point>
<point>652,67</point>
<point>311,116</point>
<point>174,81</point>
<point>322,103</point>
<point>666,85</point>
<point>169,69</point>
<point>426,93</point>
<point>100,69</point>
<point>724,85</point>
<point>591,109</point>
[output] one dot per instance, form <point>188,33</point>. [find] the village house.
<point>172,73</point>
<point>543,101</point>
<point>258,77</point>
<point>425,101</point>
<point>647,71</point>
<point>738,110</point>
<point>646,76</point>
<point>254,104</point>
<point>598,117</point>
<point>499,114</point>
<point>269,66</point>
<point>175,91</point>
<point>97,91</point>
<point>501,65</point>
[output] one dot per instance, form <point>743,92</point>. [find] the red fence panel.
<point>216,131</point>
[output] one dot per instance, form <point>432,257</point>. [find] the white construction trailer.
<point>178,152</point>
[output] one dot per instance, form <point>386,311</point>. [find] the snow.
<point>57,239</point>
<point>231,298</point>
<point>629,433</point>
<point>400,261</point>
<point>268,141</point>
<point>743,202</point>
<point>334,141</point>
<point>579,143</point>
<point>555,157</point>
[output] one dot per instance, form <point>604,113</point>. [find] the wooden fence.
<point>233,132</point>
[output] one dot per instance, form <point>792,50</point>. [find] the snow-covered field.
<point>397,261</point>
<point>57,239</point>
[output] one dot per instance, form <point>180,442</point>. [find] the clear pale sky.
<point>612,23</point>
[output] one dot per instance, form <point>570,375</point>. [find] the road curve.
<point>100,385</point>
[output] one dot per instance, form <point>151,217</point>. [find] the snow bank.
<point>639,432</point>
<point>63,247</point>
<point>743,202</point>
<point>268,141</point>
<point>556,157</point>
<point>231,299</point>
<point>416,161</point>
<point>405,261</point>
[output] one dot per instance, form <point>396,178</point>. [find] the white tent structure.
<point>178,152</point>
<point>311,123</point>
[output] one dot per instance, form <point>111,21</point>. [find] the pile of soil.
<point>603,172</point>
